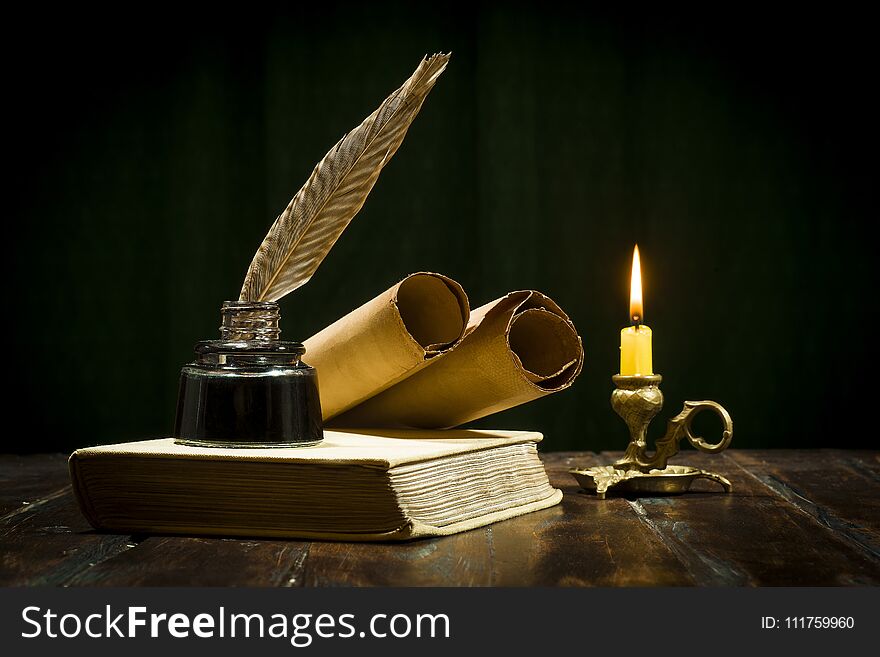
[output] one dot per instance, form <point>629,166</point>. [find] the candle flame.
<point>636,307</point>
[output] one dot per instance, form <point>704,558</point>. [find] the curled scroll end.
<point>546,347</point>
<point>434,310</point>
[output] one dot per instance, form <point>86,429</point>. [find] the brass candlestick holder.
<point>637,400</point>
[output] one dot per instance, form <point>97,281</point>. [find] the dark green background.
<point>150,153</point>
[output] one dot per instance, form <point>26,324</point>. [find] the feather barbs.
<point>302,235</point>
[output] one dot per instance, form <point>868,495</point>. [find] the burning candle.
<point>635,340</point>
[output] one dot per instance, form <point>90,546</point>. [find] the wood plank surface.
<point>753,536</point>
<point>25,480</point>
<point>837,489</point>
<point>197,561</point>
<point>794,518</point>
<point>49,543</point>
<point>582,541</point>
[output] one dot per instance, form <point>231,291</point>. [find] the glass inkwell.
<point>248,389</point>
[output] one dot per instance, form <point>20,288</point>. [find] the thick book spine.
<point>81,493</point>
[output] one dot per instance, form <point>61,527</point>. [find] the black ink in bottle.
<point>248,389</point>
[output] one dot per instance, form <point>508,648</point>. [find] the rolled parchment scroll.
<point>515,349</point>
<point>389,338</point>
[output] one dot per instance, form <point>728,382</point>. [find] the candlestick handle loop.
<point>690,411</point>
<point>680,427</point>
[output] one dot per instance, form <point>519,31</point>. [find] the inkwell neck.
<point>252,321</point>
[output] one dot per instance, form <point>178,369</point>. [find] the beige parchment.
<point>517,348</point>
<point>387,339</point>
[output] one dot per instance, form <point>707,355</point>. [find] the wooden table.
<point>795,518</point>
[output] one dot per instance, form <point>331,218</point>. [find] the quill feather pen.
<point>304,233</point>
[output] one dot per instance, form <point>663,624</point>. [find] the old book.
<point>357,486</point>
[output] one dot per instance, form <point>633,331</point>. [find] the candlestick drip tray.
<point>671,480</point>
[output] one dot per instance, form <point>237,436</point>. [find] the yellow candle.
<point>635,351</point>
<point>635,341</point>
